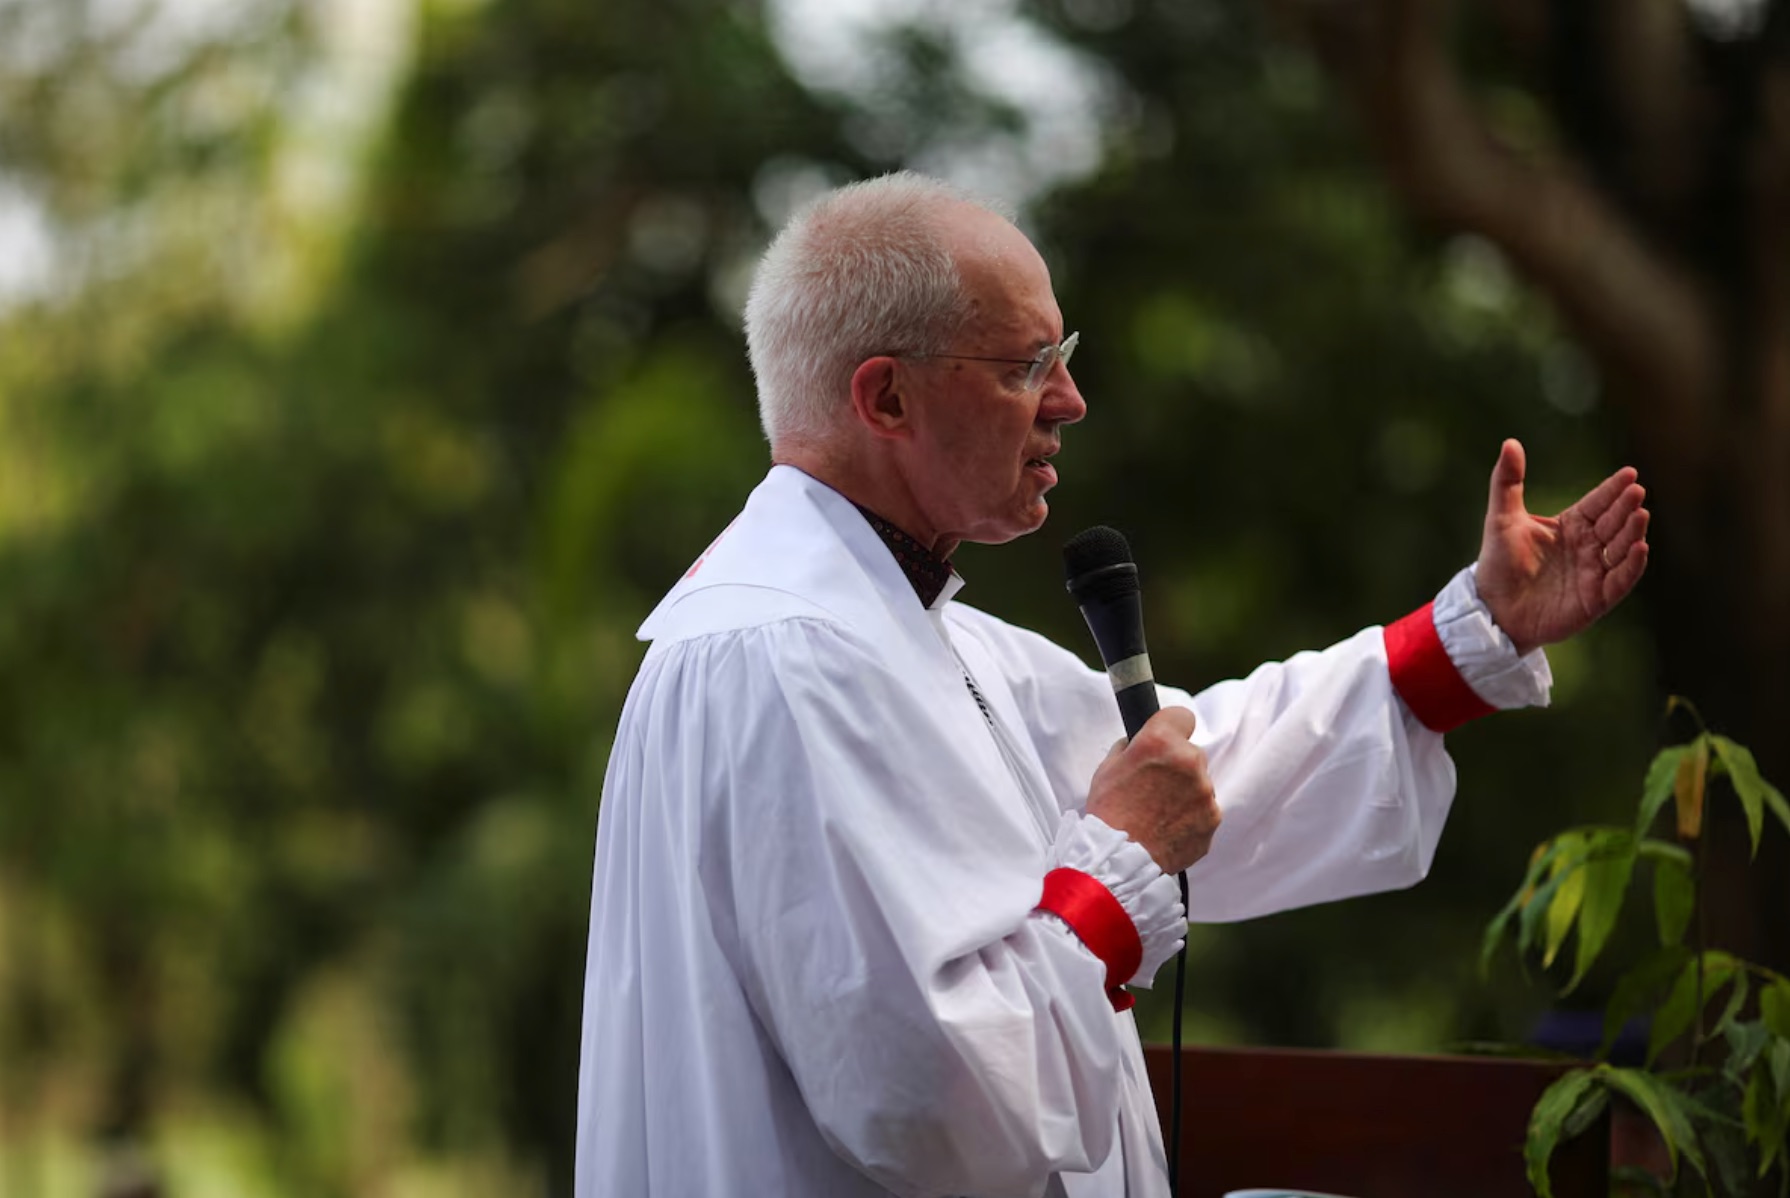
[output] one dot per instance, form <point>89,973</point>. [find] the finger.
<point>1176,722</point>
<point>1632,530</point>
<point>1611,523</point>
<point>1620,580</point>
<point>1598,500</point>
<point>1507,481</point>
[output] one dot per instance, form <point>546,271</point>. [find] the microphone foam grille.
<point>1094,549</point>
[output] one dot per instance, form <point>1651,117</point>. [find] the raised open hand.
<point>1545,578</point>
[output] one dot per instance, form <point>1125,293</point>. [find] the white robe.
<point>815,967</point>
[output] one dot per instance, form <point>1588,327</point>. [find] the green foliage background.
<point>323,536</point>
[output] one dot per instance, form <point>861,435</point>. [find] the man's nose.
<point>1063,403</point>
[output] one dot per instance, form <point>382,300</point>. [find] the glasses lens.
<point>1048,358</point>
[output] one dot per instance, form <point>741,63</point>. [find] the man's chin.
<point>1030,521</point>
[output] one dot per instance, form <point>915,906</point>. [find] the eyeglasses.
<point>1041,365</point>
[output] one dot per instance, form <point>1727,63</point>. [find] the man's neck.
<point>874,487</point>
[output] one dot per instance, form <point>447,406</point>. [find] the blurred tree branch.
<point>1640,312</point>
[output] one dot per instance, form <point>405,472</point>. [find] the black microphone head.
<point>1097,564</point>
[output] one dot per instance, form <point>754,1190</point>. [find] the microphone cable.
<point>1174,1143</point>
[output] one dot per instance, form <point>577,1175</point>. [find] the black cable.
<point>1174,1119</point>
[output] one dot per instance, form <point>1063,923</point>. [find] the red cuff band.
<point>1099,919</point>
<point>1425,677</point>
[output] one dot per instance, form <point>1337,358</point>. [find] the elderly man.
<point>871,871</point>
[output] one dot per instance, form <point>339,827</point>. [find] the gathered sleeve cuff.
<point>1481,651</point>
<point>1110,892</point>
<point>1451,663</point>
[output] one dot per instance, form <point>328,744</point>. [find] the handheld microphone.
<point>1103,579</point>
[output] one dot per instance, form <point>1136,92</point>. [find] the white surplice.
<point>814,965</point>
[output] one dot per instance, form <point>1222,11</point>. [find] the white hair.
<point>863,270</point>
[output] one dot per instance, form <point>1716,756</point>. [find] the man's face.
<point>978,462</point>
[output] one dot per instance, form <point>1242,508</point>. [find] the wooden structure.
<point>1366,1126</point>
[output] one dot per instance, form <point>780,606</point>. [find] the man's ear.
<point>877,399</point>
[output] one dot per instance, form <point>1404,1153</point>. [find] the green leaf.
<point>1736,1000</point>
<point>1637,987</point>
<point>1693,1106</point>
<point>1585,1114</point>
<point>1774,799</point>
<point>1664,850</point>
<point>1724,1143</point>
<point>1634,1179</point>
<point>1561,857</point>
<point>1562,911</point>
<point>1774,1006</point>
<point>1680,1009</point>
<point>1745,1042</point>
<point>1743,772</point>
<point>1674,898</point>
<point>1754,791</point>
<point>1658,786</point>
<point>1606,874</point>
<point>1546,1122</point>
<point>1663,1104</point>
<point>1494,931</point>
<point>1766,1109</point>
<point>1675,1014</point>
<point>1758,1112</point>
<point>1755,1107</point>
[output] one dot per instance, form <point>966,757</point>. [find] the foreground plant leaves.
<point>1547,1123</point>
<point>1606,870</point>
<point>1681,1007</point>
<point>1658,786</point>
<point>1637,989</point>
<point>1756,794</point>
<point>1561,1112</point>
<point>1674,898</point>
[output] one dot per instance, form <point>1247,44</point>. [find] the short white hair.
<point>864,270</point>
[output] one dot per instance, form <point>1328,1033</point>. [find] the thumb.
<point>1507,481</point>
<point>1178,722</point>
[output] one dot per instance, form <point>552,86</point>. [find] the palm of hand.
<point>1545,578</point>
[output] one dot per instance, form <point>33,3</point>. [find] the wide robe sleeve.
<point>1329,785</point>
<point>946,1037</point>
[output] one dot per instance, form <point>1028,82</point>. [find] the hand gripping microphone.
<point>1103,579</point>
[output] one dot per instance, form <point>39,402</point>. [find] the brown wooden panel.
<point>1366,1126</point>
